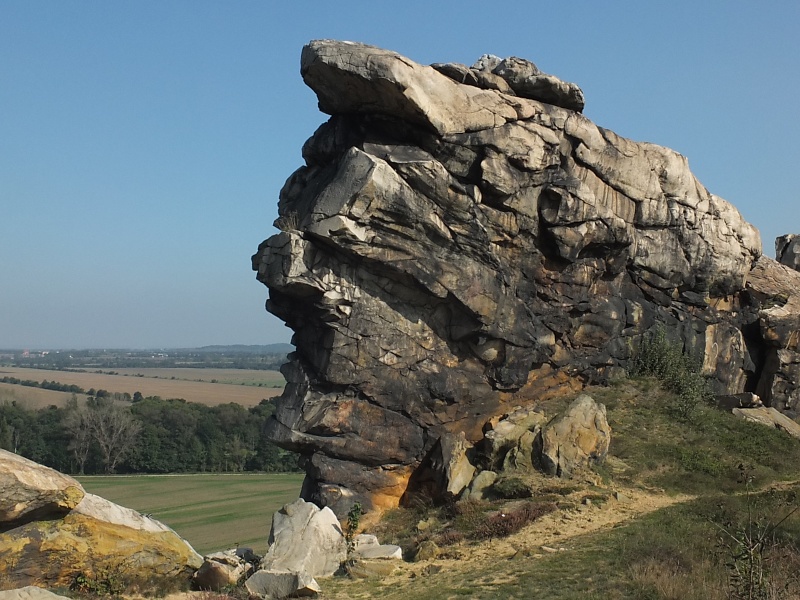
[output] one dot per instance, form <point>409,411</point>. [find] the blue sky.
<point>143,144</point>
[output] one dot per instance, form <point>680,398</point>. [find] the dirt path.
<point>555,532</point>
<point>551,533</point>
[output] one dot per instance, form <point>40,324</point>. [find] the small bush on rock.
<point>677,371</point>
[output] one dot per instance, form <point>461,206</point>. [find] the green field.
<point>212,512</point>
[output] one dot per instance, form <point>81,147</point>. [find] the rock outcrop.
<point>576,439</point>
<point>463,240</point>
<point>787,251</point>
<point>770,417</point>
<point>305,542</point>
<point>30,592</point>
<point>52,533</point>
<point>29,491</point>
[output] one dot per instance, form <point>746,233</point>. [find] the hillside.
<point>658,521</point>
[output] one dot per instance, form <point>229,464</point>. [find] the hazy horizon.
<point>144,144</point>
<point>131,349</point>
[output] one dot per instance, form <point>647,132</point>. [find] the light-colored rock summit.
<point>28,489</point>
<point>461,241</point>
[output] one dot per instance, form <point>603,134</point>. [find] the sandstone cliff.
<point>463,240</point>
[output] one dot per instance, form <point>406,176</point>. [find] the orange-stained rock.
<point>54,532</point>
<point>53,553</point>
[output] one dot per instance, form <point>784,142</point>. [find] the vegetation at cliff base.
<point>715,476</point>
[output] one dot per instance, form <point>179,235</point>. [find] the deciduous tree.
<point>113,428</point>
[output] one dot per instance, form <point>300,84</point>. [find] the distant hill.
<point>245,349</point>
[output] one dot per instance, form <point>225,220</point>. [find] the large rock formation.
<point>53,534</point>
<point>463,240</point>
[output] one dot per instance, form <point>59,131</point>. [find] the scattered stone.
<point>575,439</point>
<point>270,583</point>
<point>366,546</point>
<point>446,470</point>
<point>364,569</point>
<point>455,466</point>
<point>426,524</point>
<point>427,550</point>
<point>481,486</point>
<point>221,569</point>
<point>770,417</point>
<point>510,442</point>
<point>743,400</point>
<point>520,457</point>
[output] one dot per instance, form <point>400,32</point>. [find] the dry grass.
<point>232,376</point>
<point>202,392</point>
<point>669,580</point>
<point>31,398</point>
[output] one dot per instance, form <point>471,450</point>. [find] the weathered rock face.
<point>787,251</point>
<point>64,532</point>
<point>576,439</point>
<point>462,240</point>
<point>29,490</point>
<point>305,539</point>
<point>775,288</point>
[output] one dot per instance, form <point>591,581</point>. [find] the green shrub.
<point>678,371</point>
<point>699,461</point>
<point>511,488</point>
<point>106,582</point>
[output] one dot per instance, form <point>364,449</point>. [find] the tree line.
<point>45,384</point>
<point>150,435</point>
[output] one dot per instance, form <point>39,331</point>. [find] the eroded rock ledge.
<point>462,241</point>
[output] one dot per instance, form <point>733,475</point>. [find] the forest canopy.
<point>148,435</point>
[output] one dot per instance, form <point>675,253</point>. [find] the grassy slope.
<point>212,512</point>
<point>675,552</point>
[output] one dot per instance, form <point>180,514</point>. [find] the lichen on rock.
<point>63,536</point>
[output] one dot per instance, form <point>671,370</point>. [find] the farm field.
<point>193,385</point>
<point>212,375</point>
<point>31,398</point>
<point>212,512</point>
